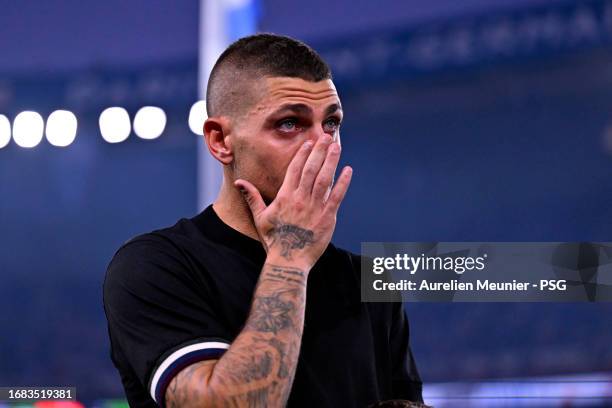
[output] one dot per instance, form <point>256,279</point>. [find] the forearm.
<point>259,367</point>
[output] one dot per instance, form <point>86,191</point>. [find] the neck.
<point>233,210</point>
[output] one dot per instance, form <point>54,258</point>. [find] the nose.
<point>317,133</point>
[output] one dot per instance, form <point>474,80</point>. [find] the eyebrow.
<point>303,109</point>
<point>333,108</point>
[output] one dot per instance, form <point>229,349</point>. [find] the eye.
<point>287,125</point>
<point>331,124</point>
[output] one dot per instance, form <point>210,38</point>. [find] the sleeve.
<point>160,313</point>
<point>406,381</point>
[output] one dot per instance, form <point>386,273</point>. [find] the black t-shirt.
<point>182,294</point>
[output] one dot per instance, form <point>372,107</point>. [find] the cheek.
<point>263,163</point>
<point>268,169</point>
<point>273,163</point>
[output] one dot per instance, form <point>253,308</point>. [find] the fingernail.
<point>308,144</point>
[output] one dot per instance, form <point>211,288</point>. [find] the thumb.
<point>251,195</point>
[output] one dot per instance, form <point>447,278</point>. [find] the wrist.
<point>295,262</point>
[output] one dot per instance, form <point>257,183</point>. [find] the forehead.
<point>280,90</point>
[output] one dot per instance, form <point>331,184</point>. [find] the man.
<point>248,304</point>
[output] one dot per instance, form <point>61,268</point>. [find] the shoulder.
<point>168,244</point>
<point>344,263</point>
<point>353,262</point>
<point>155,258</point>
<point>145,250</point>
<point>345,256</point>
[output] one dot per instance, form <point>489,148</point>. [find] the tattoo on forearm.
<point>271,314</point>
<point>258,368</point>
<point>286,274</point>
<point>179,393</point>
<point>290,237</point>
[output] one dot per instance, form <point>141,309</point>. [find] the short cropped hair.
<point>256,56</point>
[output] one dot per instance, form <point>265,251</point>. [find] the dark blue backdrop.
<point>500,148</point>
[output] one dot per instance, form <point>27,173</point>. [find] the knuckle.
<point>299,205</point>
<point>321,184</point>
<point>309,171</point>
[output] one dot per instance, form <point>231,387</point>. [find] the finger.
<point>339,191</point>
<point>251,196</point>
<point>313,164</point>
<point>294,170</point>
<point>326,175</point>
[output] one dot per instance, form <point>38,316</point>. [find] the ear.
<point>216,134</point>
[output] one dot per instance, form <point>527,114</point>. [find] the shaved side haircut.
<point>230,88</point>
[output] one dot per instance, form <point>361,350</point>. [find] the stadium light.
<point>28,128</point>
<point>115,124</point>
<point>5,131</point>
<point>197,116</point>
<point>61,128</point>
<point>149,122</point>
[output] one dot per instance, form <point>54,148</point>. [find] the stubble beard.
<point>266,195</point>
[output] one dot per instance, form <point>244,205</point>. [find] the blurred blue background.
<point>464,121</point>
